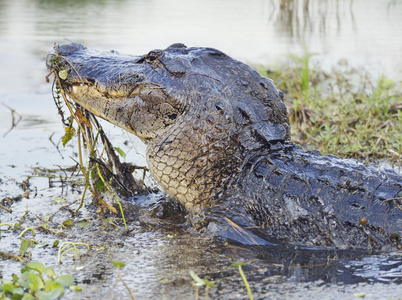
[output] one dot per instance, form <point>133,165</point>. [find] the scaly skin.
<point>217,136</point>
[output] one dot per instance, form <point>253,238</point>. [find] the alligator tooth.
<point>75,89</point>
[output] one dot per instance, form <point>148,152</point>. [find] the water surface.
<point>158,259</point>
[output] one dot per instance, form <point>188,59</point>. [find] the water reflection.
<point>306,18</point>
<point>257,31</point>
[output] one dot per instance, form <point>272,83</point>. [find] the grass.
<point>344,111</point>
<point>239,265</point>
<point>198,282</point>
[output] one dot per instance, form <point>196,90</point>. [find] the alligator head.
<point>199,111</point>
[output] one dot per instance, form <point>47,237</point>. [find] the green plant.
<point>32,284</point>
<point>85,132</point>
<point>239,265</point>
<point>67,247</point>
<point>198,282</point>
<point>119,265</point>
<point>302,65</point>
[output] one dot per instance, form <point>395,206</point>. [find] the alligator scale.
<point>218,141</point>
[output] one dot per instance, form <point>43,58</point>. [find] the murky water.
<point>157,259</point>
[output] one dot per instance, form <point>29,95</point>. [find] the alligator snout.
<point>62,50</point>
<point>68,49</point>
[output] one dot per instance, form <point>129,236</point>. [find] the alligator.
<point>218,141</point>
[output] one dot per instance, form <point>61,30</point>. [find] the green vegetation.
<point>343,111</point>
<point>97,183</point>
<point>119,265</point>
<point>32,284</point>
<point>198,282</point>
<point>239,265</point>
<point>67,247</point>
<point>101,179</point>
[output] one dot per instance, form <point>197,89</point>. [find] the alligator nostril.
<point>49,60</point>
<point>219,107</point>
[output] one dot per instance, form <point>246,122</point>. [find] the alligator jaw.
<point>118,88</point>
<point>116,111</point>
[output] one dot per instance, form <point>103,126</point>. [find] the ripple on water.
<point>376,268</point>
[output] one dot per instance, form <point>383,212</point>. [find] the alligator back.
<point>303,197</point>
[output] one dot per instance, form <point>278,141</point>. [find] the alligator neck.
<point>195,159</point>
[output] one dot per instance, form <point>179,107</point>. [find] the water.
<point>158,260</point>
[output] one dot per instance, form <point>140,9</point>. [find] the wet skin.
<point>218,141</point>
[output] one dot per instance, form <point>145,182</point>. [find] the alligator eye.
<point>281,94</point>
<point>154,55</point>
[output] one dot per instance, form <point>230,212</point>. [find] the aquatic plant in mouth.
<point>102,175</point>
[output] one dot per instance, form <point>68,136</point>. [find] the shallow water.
<point>158,257</point>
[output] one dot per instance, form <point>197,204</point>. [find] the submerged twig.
<point>125,284</point>
<point>241,231</point>
<point>49,230</point>
<point>114,196</point>
<point>5,208</point>
<point>12,256</point>
<point>13,122</point>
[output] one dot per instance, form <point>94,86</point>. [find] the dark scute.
<point>270,132</point>
<point>244,114</point>
<point>175,65</point>
<point>219,107</point>
<point>249,141</point>
<point>172,116</point>
<point>257,136</point>
<point>214,52</point>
